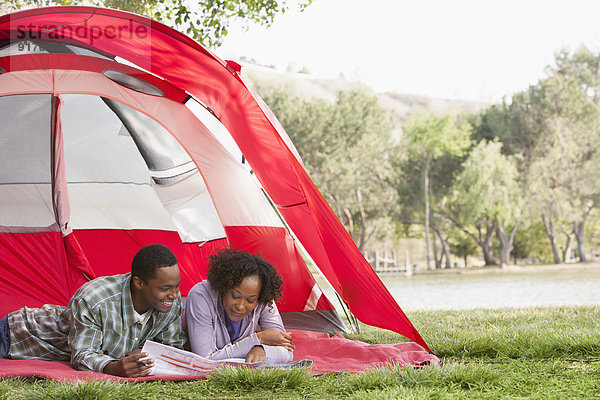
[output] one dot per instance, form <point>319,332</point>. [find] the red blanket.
<point>338,354</point>
<point>329,354</point>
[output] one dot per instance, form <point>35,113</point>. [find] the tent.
<point>118,131</point>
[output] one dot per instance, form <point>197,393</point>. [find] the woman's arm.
<point>276,341</point>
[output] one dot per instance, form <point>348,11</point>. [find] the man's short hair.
<point>149,259</point>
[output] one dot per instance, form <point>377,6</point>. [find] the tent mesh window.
<point>148,180</point>
<point>25,162</point>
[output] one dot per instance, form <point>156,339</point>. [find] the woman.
<point>232,314</point>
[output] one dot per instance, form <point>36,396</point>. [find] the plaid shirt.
<point>97,326</point>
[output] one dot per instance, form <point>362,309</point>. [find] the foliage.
<point>408,181</point>
<point>429,137</point>
<point>512,123</point>
<point>463,246</point>
<point>582,65</point>
<point>206,21</point>
<point>531,244</point>
<point>593,233</point>
<point>346,148</point>
<point>487,186</point>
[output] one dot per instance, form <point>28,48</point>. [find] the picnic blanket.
<point>329,355</point>
<point>338,354</point>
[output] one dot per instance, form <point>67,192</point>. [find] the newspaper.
<point>173,361</point>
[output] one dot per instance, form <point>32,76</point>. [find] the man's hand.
<point>257,354</point>
<point>275,337</point>
<point>130,365</point>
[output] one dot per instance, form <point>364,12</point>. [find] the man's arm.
<point>85,337</point>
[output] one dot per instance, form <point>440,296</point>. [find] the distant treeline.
<point>517,181</point>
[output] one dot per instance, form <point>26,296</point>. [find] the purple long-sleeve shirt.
<point>204,321</point>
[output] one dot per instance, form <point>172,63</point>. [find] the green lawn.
<point>529,353</point>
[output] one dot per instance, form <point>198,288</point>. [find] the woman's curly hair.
<point>228,267</point>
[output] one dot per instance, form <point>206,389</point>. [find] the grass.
<point>529,353</point>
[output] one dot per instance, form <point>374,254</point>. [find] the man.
<point>107,320</point>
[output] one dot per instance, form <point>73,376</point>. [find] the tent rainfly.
<point>117,132</point>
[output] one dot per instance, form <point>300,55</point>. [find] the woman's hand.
<point>275,337</point>
<point>257,354</point>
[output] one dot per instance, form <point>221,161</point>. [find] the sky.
<point>463,49</point>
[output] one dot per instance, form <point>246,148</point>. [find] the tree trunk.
<point>486,243</point>
<point>551,233</point>
<point>427,216</point>
<point>506,242</point>
<point>579,231</point>
<point>437,259</point>
<point>566,249</point>
<point>444,243</point>
<point>349,223</point>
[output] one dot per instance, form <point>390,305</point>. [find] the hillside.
<point>309,87</point>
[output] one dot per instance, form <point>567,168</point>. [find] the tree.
<point>582,65</point>
<point>518,124</point>
<point>564,173</point>
<point>487,196</point>
<point>582,68</point>
<point>345,147</point>
<point>427,137</point>
<point>557,177</point>
<point>593,234</point>
<point>408,181</point>
<point>206,21</point>
<point>554,128</point>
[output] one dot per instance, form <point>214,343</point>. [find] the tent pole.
<point>349,316</point>
<point>356,323</point>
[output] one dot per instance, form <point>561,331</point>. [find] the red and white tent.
<point>117,131</point>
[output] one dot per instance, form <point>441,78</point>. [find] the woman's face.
<point>241,300</point>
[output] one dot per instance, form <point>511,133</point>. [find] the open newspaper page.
<point>173,361</point>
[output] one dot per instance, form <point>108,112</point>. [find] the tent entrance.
<point>112,179</point>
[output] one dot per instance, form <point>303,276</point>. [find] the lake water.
<point>492,289</point>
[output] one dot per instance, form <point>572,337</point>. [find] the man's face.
<point>241,300</point>
<point>159,292</point>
